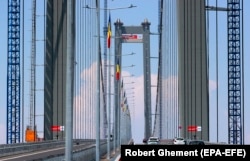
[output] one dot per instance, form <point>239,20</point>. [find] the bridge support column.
<point>137,34</point>
<point>55,68</point>
<point>193,72</point>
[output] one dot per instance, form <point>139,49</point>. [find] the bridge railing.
<point>87,153</point>
<point>11,149</point>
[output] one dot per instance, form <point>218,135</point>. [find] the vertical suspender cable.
<point>98,84</point>
<point>167,65</point>
<point>176,126</point>
<point>217,111</point>
<point>207,34</point>
<point>167,87</point>
<point>92,57</point>
<point>83,96</point>
<point>44,29</point>
<point>194,57</point>
<point>82,93</point>
<point>79,65</point>
<point>93,77</point>
<point>105,67</point>
<point>90,77</point>
<point>242,38</point>
<point>83,63</point>
<point>175,72</point>
<point>35,129</point>
<point>91,99</point>
<point>75,117</point>
<point>23,136</point>
<point>88,59</point>
<point>184,59</point>
<point>172,67</point>
<point>75,84</point>
<point>188,44</point>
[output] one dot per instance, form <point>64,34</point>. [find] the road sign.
<point>132,38</point>
<point>194,128</point>
<point>55,128</point>
<point>61,128</point>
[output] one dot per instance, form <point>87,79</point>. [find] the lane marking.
<point>33,153</point>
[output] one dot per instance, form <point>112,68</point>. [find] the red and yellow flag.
<point>109,32</point>
<point>117,70</point>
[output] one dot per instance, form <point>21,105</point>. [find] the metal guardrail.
<point>12,149</point>
<point>87,153</point>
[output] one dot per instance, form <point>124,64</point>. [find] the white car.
<point>153,140</point>
<point>179,141</point>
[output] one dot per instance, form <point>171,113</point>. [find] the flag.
<point>109,32</point>
<point>124,102</point>
<point>124,107</point>
<point>117,70</point>
<point>122,85</point>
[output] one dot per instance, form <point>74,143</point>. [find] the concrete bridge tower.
<point>193,69</point>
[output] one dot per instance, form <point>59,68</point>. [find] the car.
<point>153,140</point>
<point>179,141</point>
<point>145,140</point>
<point>195,142</point>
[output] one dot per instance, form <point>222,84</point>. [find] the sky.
<point>145,9</point>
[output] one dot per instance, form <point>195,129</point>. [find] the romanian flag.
<point>117,71</point>
<point>109,32</point>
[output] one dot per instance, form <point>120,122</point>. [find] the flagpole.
<point>69,81</point>
<point>109,109</point>
<point>109,86</point>
<point>98,85</point>
<point>118,73</point>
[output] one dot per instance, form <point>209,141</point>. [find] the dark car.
<point>195,142</point>
<point>145,140</point>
